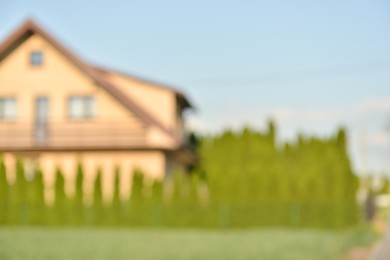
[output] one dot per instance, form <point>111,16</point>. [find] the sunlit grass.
<point>46,243</point>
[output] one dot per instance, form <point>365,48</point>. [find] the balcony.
<point>62,134</point>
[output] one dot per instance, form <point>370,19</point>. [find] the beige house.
<point>56,110</point>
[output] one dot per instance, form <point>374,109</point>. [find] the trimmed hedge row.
<point>244,180</point>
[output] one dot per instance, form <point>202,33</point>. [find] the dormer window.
<point>36,58</point>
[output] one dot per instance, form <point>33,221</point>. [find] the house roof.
<point>30,28</point>
<point>185,103</point>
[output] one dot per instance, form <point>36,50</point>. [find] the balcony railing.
<point>71,134</point>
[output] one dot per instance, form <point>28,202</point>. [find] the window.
<point>36,58</point>
<point>81,107</point>
<point>7,108</point>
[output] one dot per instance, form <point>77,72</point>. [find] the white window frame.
<point>8,108</point>
<point>86,107</point>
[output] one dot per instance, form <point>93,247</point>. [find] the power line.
<point>291,76</point>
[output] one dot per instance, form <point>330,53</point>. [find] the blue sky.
<point>310,65</point>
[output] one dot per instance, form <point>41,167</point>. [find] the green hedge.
<point>251,182</point>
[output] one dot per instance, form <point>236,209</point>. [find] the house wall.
<point>58,79</point>
<point>152,163</point>
<point>159,102</point>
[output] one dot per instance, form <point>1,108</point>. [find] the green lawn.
<point>51,243</point>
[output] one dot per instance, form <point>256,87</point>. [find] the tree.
<point>36,200</point>
<point>17,212</point>
<point>3,193</point>
<point>61,204</point>
<point>98,207</point>
<point>116,204</point>
<point>78,199</point>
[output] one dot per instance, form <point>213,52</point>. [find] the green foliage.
<point>77,201</point>
<point>116,207</point>
<point>17,210</point>
<point>244,179</point>
<point>137,189</point>
<point>98,207</point>
<point>61,204</point>
<point>306,183</point>
<point>3,192</point>
<point>35,200</point>
<point>385,187</point>
<point>137,213</point>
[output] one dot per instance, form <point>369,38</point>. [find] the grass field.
<point>47,243</point>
